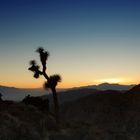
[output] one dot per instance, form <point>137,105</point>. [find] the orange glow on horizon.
<point>112,80</point>
<point>39,84</point>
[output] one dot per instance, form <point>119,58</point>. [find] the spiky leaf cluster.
<point>35,68</point>
<point>43,57</point>
<point>53,81</point>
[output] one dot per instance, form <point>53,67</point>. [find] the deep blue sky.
<point>93,40</point>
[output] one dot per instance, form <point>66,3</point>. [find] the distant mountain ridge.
<point>16,94</point>
<point>108,86</point>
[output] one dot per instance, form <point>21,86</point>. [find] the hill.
<point>71,95</point>
<point>110,115</point>
<point>86,114</point>
<point>17,94</point>
<point>109,86</point>
<point>135,90</point>
<point>79,92</point>
<point>21,122</point>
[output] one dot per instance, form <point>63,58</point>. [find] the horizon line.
<point>72,86</point>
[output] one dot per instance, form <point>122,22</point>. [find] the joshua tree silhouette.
<point>52,80</point>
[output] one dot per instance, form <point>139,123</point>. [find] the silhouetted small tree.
<point>52,80</point>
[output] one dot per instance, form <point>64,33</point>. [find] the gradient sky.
<point>90,41</point>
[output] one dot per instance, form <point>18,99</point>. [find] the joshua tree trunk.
<point>55,100</point>
<point>56,104</point>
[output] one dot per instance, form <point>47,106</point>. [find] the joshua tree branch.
<point>45,75</point>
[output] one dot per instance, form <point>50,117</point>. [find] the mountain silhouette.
<point>17,94</point>
<point>107,86</point>
<point>110,114</point>
<point>135,89</point>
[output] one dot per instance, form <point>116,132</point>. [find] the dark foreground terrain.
<point>21,122</point>
<point>105,115</point>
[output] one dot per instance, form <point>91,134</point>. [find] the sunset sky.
<point>90,41</point>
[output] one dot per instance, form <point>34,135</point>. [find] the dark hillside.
<point>135,89</point>
<point>101,115</point>
<point>111,113</point>
<point>71,95</point>
<point>21,122</point>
